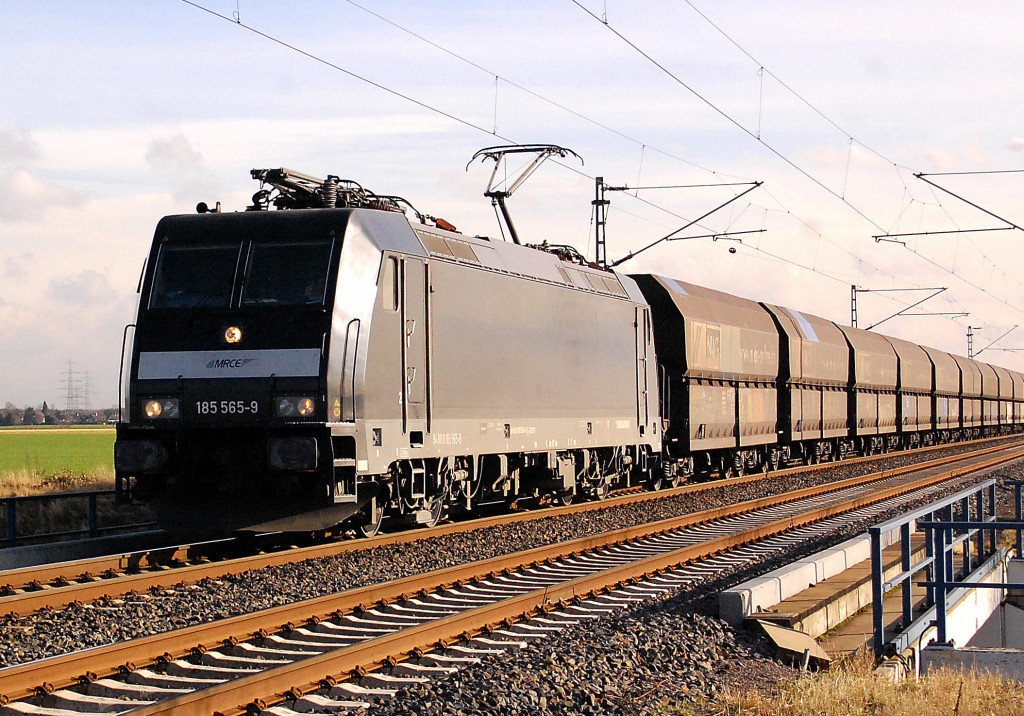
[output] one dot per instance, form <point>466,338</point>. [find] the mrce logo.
<point>229,362</point>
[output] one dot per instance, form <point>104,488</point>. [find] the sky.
<point>113,114</point>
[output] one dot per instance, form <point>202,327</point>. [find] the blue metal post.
<point>907,583</point>
<point>877,608</point>
<point>1018,517</point>
<point>992,511</point>
<point>938,542</point>
<point>979,510</point>
<point>92,515</point>
<point>965,510</point>
<point>947,538</point>
<point>929,551</point>
<point>12,526</point>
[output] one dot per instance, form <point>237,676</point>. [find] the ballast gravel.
<point>651,659</point>
<point>52,632</point>
<point>669,654</point>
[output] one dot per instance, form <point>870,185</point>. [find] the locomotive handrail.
<point>120,378</point>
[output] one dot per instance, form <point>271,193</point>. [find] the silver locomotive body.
<point>424,371</point>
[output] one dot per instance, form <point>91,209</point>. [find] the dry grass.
<point>22,483</point>
<point>63,515</point>
<point>854,689</point>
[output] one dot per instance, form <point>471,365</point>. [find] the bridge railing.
<point>964,523</point>
<point>90,521</point>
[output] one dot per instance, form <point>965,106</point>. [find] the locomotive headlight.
<point>292,406</point>
<point>232,334</point>
<point>165,408</point>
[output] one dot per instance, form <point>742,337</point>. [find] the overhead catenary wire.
<point>727,116</point>
<point>757,135</point>
<point>563,107</point>
<point>493,130</point>
<point>424,105</point>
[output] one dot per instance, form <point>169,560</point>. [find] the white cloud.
<point>942,160</point>
<point>85,288</point>
<point>15,266</point>
<point>23,196</point>
<point>175,153</point>
<point>17,145</point>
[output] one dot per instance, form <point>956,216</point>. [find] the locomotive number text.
<point>227,407</point>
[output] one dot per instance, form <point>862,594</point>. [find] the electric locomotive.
<point>331,362</point>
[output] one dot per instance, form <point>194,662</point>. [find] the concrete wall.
<point>1008,663</point>
<point>762,593</point>
<point>963,621</point>
<point>1003,630</point>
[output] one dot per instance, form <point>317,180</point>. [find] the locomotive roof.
<point>393,231</point>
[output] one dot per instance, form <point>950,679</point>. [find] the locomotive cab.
<point>227,391</point>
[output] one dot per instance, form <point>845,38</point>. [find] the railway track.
<point>54,586</point>
<point>244,663</point>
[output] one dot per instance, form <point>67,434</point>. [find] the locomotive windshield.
<point>286,273</point>
<point>189,276</point>
<point>278,273</point>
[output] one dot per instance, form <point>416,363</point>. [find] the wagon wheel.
<point>731,467</point>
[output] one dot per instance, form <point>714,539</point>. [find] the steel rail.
<point>24,680</point>
<point>49,586</point>
<point>288,681</point>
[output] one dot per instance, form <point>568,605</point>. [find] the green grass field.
<point>46,451</point>
<point>48,459</point>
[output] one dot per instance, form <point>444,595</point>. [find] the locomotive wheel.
<point>370,518</point>
<point>436,508</point>
<point>564,497</point>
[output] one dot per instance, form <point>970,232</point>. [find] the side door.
<point>642,322</point>
<point>415,347</point>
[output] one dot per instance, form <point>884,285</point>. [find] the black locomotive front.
<point>226,398</point>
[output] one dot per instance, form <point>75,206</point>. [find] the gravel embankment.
<point>107,621</point>
<point>653,658</point>
<point>669,653</point>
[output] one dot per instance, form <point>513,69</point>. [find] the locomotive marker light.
<point>233,334</point>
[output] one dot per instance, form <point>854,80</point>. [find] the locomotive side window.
<point>291,274</point>
<point>193,276</point>
<point>389,284</point>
